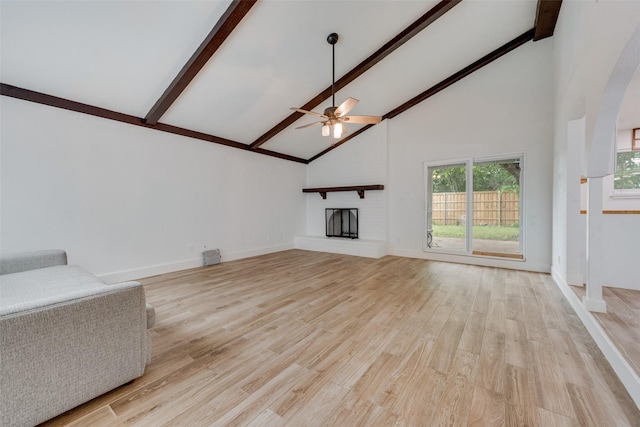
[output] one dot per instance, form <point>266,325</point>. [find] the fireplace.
<point>342,222</point>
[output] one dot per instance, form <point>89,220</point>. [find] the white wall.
<point>506,107</point>
<point>360,161</point>
<point>503,108</point>
<point>622,247</point>
<point>588,41</point>
<point>126,202</point>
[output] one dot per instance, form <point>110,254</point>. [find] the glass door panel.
<point>496,208</point>
<point>447,207</point>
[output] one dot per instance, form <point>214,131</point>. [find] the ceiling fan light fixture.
<point>337,130</point>
<point>326,129</point>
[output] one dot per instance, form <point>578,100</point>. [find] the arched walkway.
<point>600,164</point>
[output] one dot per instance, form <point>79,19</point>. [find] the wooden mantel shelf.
<point>359,188</point>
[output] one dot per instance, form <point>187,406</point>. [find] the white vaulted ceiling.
<point>122,55</point>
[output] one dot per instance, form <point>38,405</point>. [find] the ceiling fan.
<point>334,118</point>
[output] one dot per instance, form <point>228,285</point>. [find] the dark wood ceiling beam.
<point>485,60</point>
<point>66,104</point>
<point>547,13</point>
<point>420,24</point>
<point>276,154</point>
<point>236,11</point>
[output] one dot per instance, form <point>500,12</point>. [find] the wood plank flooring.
<point>302,338</point>
<point>621,322</point>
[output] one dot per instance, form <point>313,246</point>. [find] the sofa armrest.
<point>151,312</point>
<point>25,261</point>
<point>59,355</point>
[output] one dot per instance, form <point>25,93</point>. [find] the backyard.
<point>486,232</point>
<point>488,238</point>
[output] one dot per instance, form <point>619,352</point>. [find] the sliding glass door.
<point>474,207</point>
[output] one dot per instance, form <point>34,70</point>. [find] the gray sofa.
<point>65,336</point>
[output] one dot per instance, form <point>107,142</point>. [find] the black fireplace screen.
<point>342,222</point>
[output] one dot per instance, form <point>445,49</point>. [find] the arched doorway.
<point>600,164</point>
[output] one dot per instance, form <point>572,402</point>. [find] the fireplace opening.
<point>342,222</point>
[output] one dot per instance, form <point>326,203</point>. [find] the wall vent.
<point>211,257</point>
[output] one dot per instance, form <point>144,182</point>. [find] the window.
<point>473,206</point>
<point>627,175</point>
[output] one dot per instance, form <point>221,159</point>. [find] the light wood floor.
<point>311,339</point>
<point>621,322</point>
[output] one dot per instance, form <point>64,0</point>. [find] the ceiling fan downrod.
<point>332,39</point>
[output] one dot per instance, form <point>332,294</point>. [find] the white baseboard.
<point>232,256</point>
<point>335,245</point>
<point>625,372</point>
<point>150,270</point>
<point>154,270</point>
<point>629,286</point>
<point>598,306</point>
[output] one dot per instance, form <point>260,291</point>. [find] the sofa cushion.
<point>37,288</point>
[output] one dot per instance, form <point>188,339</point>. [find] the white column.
<point>595,249</point>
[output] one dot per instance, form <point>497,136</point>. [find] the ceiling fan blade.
<point>345,107</point>
<point>310,124</point>
<point>313,113</point>
<point>373,120</point>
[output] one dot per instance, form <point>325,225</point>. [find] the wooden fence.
<point>489,208</point>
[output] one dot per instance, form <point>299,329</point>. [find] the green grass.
<point>488,232</point>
